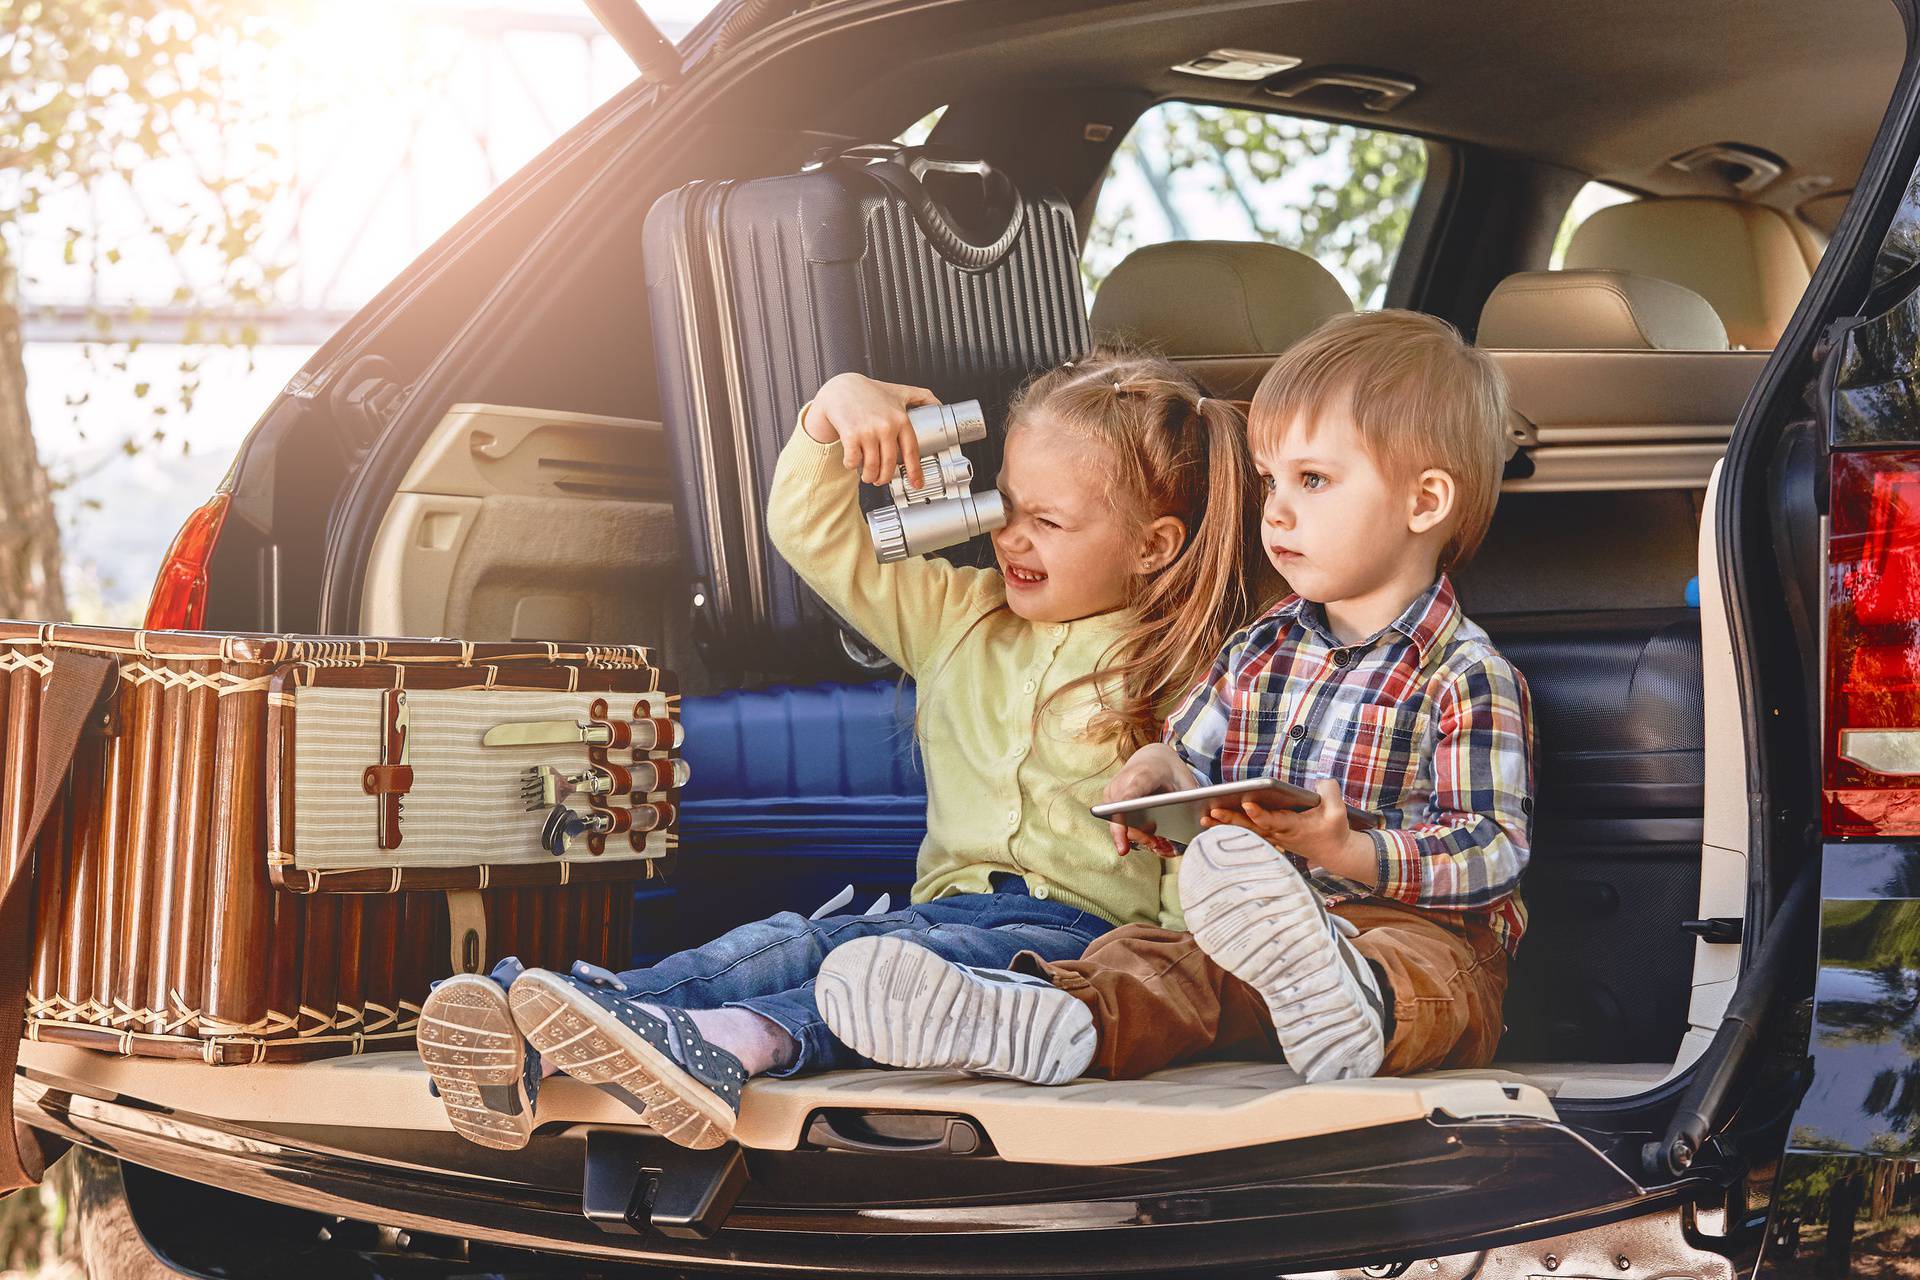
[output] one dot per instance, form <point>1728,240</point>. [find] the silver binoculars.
<point>944,510</point>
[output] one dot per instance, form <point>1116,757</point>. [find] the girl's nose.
<point>1276,512</point>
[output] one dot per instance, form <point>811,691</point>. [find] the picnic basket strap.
<point>73,686</point>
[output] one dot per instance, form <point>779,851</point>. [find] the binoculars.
<point>944,510</point>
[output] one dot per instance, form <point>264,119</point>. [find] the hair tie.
<point>1200,404</point>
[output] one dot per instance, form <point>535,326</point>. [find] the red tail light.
<point>1872,743</point>
<point>179,600</point>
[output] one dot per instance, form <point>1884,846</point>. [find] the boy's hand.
<point>869,419</point>
<point>1320,834</point>
<point>1151,770</point>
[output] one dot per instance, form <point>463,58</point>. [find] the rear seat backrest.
<point>1598,309</point>
<point>1625,380</point>
<point>1743,258</point>
<point>1625,383</point>
<point>1222,309</point>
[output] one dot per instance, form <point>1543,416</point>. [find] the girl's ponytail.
<point>1175,452</point>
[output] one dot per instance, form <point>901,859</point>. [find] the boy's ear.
<point>1160,542</point>
<point>1433,497</point>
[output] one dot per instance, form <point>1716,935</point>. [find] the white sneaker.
<point>904,1006</point>
<point>1264,922</point>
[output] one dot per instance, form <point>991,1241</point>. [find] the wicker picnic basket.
<point>252,848</point>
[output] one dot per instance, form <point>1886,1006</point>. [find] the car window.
<point>1900,250</point>
<point>1189,172</point>
<point>917,133</point>
<point>1588,201</point>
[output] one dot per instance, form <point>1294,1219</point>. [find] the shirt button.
<point>1341,657</point>
<point>1059,628</point>
<point>1042,892</point>
<point>1013,817</point>
<point>1027,687</point>
<point>1298,732</point>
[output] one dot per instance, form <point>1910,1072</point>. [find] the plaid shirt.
<point>1425,723</point>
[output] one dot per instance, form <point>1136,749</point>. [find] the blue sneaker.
<point>591,1029</point>
<point>480,1067</point>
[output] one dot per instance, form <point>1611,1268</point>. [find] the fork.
<point>542,786</point>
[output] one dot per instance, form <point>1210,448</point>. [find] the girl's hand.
<point>1151,770</point>
<point>1320,834</point>
<point>869,419</point>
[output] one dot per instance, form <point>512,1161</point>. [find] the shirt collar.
<point>1425,622</point>
<point>1430,617</point>
<point>1113,622</point>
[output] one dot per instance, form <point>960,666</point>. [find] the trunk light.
<point>179,600</point>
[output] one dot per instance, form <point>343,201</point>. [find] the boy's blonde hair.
<point>1420,397</point>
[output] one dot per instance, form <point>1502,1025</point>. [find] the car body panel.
<point>1416,1186</point>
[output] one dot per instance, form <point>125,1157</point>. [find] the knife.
<point>533,733</point>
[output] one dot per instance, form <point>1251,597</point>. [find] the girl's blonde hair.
<point>1171,451</point>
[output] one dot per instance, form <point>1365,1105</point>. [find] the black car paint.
<point>1847,1197</point>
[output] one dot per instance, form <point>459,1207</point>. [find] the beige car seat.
<point>1744,259</point>
<point>1221,308</point>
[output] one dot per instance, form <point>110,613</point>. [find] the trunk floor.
<point>1188,1110</point>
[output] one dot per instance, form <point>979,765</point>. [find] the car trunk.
<point>800,790</point>
<point>520,491</point>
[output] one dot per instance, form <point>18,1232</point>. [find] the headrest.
<point>1742,258</point>
<point>1606,310</point>
<point>1217,298</point>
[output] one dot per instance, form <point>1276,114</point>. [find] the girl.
<point>1120,572</point>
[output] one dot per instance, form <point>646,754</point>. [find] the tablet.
<point>1176,814</point>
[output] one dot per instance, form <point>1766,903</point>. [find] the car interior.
<point>534,498</point>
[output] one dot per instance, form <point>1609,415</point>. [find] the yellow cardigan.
<point>1001,795</point>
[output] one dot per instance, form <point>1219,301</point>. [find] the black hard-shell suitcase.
<point>896,262</point>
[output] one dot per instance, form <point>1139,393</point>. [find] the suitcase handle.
<point>904,168</point>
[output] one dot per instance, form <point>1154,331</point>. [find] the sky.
<point>421,115</point>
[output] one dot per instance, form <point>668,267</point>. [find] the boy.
<point>1380,441</point>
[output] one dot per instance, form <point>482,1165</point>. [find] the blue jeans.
<point>769,966</point>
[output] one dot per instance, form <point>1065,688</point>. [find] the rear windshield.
<point>1189,172</point>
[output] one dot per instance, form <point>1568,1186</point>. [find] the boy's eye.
<point>1045,523</point>
<point>1312,480</point>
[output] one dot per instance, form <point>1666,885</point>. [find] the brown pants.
<point>1158,1000</point>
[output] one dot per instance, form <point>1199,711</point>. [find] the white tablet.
<point>1176,814</point>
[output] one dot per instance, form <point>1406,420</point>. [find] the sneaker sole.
<point>1258,919</point>
<point>473,1052</point>
<point>904,1006</point>
<point>588,1043</point>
